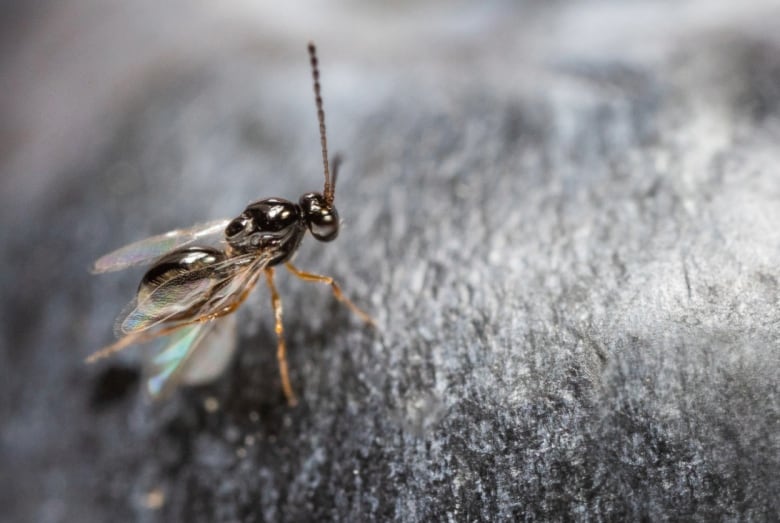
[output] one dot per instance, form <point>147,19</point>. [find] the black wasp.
<point>190,291</point>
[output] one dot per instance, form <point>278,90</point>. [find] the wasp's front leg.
<point>281,348</point>
<point>307,276</point>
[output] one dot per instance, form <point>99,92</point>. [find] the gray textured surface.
<point>565,221</point>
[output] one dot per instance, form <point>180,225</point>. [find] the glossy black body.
<point>278,226</point>
<point>272,225</point>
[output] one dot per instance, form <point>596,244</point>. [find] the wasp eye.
<point>235,227</point>
<point>325,225</point>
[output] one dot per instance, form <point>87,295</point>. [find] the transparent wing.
<point>167,364</point>
<point>215,352</point>
<point>193,355</point>
<point>205,298</point>
<point>174,298</point>
<point>144,251</point>
<point>195,295</point>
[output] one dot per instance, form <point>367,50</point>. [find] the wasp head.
<point>321,219</point>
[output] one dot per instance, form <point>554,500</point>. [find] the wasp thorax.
<point>321,219</point>
<point>273,225</point>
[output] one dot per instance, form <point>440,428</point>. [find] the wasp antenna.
<point>315,72</point>
<point>335,163</point>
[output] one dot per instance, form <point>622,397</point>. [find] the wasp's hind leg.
<point>307,276</point>
<point>281,348</point>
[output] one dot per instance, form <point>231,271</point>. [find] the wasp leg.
<point>132,339</point>
<point>281,348</point>
<point>307,276</point>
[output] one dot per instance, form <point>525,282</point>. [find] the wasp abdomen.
<point>175,263</point>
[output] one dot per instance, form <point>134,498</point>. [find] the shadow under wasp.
<point>190,290</point>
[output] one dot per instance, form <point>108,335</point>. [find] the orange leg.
<point>281,349</point>
<point>307,276</point>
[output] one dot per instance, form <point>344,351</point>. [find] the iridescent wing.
<point>167,363</point>
<point>195,295</point>
<point>214,353</point>
<point>195,354</point>
<point>145,251</point>
<point>179,297</point>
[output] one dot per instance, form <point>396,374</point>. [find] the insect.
<point>192,287</point>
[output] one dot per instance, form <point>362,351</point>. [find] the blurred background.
<point>563,214</point>
<point>71,69</point>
